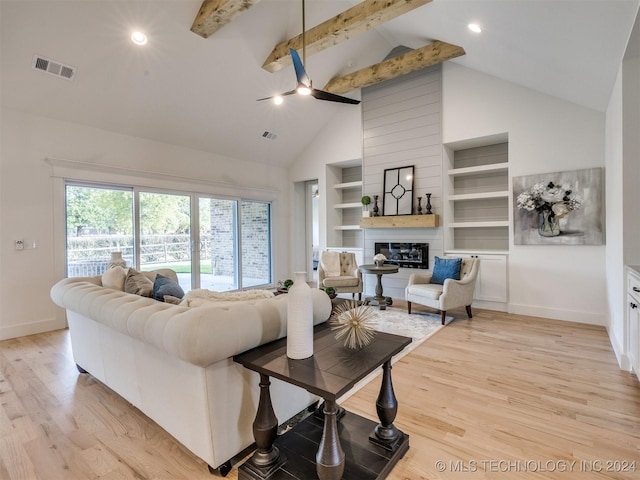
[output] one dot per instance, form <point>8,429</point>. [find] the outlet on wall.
<point>19,244</point>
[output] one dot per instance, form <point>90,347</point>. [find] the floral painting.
<point>561,208</point>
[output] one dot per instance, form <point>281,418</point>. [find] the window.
<point>99,221</point>
<point>222,244</point>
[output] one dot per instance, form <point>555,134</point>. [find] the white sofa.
<point>175,363</point>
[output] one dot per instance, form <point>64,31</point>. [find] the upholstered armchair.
<point>451,294</point>
<point>340,271</point>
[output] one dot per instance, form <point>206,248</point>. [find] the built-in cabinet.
<point>633,318</point>
<point>491,285</point>
<point>476,214</point>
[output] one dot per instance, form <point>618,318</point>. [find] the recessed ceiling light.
<point>474,27</point>
<point>139,38</point>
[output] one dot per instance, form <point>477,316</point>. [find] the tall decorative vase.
<point>299,318</point>
<point>548,225</point>
<point>419,210</point>
<point>116,260</point>
<point>428,205</point>
<point>376,212</point>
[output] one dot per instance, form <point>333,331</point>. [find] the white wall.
<point>623,195</point>
<point>615,221</point>
<point>339,141</point>
<point>546,134</point>
<point>31,200</point>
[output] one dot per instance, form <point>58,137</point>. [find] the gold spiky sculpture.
<point>352,321</point>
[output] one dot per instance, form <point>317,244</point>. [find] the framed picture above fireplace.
<point>398,191</point>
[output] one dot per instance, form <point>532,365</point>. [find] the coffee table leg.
<point>330,457</point>
<point>385,433</point>
<point>267,458</point>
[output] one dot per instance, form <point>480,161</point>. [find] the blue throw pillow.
<point>165,286</point>
<point>446,268</point>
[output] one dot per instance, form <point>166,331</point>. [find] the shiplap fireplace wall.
<point>402,127</point>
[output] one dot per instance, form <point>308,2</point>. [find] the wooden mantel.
<point>401,221</point>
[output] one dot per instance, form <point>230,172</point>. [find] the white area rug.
<point>419,326</point>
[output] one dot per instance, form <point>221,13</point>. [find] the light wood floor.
<point>500,396</point>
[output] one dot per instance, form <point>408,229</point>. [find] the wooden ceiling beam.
<point>432,54</point>
<point>357,19</point>
<point>214,14</point>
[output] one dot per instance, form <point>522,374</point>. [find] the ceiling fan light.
<point>139,38</point>
<point>278,100</point>
<point>474,27</point>
<point>303,90</point>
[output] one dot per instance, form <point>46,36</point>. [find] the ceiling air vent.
<point>269,135</point>
<point>52,67</point>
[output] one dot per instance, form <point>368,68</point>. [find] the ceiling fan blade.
<point>332,97</point>
<point>301,74</point>
<point>290,92</point>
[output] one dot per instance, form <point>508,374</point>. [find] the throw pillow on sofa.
<point>114,278</point>
<point>446,268</point>
<point>138,283</point>
<point>165,286</point>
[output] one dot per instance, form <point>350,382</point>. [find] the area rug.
<point>419,326</point>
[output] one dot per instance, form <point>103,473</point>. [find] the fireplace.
<point>408,255</point>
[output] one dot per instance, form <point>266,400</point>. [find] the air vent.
<point>53,68</point>
<point>269,135</point>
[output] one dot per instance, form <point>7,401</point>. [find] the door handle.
<point>636,289</point>
<point>633,305</point>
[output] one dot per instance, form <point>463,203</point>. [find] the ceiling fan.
<point>305,86</point>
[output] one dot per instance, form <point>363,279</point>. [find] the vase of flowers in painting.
<point>551,202</point>
<point>548,225</point>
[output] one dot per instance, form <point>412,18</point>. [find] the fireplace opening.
<point>408,255</point>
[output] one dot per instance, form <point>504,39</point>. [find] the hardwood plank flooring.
<point>497,396</point>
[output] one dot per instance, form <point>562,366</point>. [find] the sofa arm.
<point>419,278</point>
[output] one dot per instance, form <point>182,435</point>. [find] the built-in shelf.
<point>356,184</point>
<point>400,221</point>
<point>492,168</point>
<point>477,192</point>
<point>348,205</point>
<point>496,223</point>
<point>347,227</point>
<point>478,196</point>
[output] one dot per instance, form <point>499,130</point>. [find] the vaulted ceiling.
<point>187,90</point>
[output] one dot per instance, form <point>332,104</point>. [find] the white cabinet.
<point>491,286</point>
<point>633,318</point>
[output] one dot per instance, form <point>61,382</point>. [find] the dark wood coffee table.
<point>317,445</point>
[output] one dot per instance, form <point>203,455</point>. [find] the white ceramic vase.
<point>299,318</point>
<point>116,260</point>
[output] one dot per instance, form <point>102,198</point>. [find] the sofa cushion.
<point>138,283</point>
<point>165,286</point>
<point>114,278</point>
<point>446,268</point>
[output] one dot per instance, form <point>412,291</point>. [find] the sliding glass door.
<point>165,234</point>
<point>99,221</point>
<point>218,244</point>
<point>218,252</point>
<point>256,243</point>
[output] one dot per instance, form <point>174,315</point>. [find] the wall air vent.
<point>52,67</point>
<point>269,135</point>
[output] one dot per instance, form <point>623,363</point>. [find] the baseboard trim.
<point>566,315</point>
<point>24,329</point>
<point>621,356</point>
